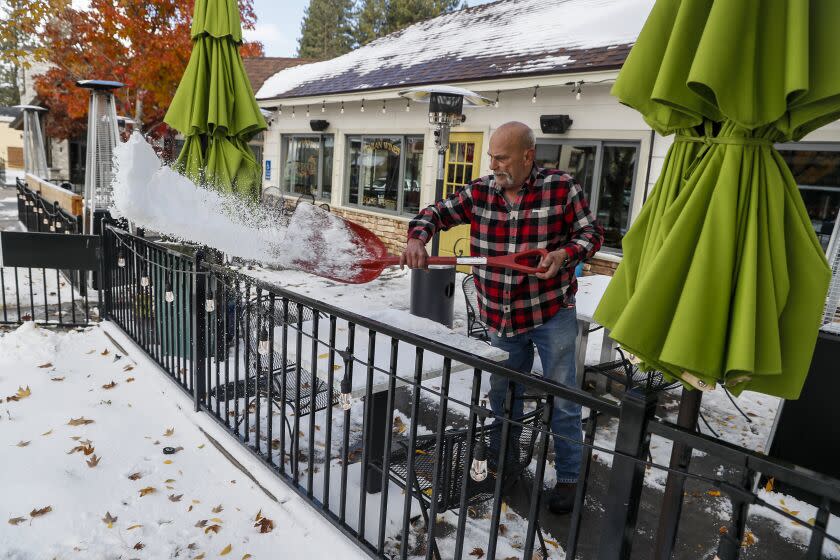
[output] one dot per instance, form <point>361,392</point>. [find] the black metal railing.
<point>385,432</point>
<point>45,296</point>
<point>38,214</point>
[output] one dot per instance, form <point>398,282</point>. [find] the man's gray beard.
<point>505,175</point>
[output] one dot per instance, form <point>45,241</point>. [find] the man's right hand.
<point>415,255</point>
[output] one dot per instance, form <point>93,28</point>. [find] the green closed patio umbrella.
<point>723,279</point>
<point>214,106</point>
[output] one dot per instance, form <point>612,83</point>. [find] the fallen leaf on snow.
<point>104,352</point>
<point>246,557</point>
<point>259,516</point>
<point>265,525</point>
<point>40,512</point>
<point>132,527</point>
<point>169,432</point>
<point>57,379</point>
<point>201,446</point>
<point>90,351</point>
<point>135,476</point>
<point>22,393</point>
<point>109,519</point>
<point>93,461</point>
<point>199,557</point>
<point>43,366</point>
<point>167,462</point>
<point>713,493</point>
<point>129,367</point>
<point>169,480</point>
<point>769,485</point>
<point>201,523</point>
<point>110,385</point>
<point>147,490</point>
<point>82,421</point>
<point>129,380</point>
<point>216,520</point>
<point>226,550</point>
<point>139,546</point>
<point>174,498</point>
<point>48,432</point>
<point>22,443</point>
<point>214,528</point>
<point>217,509</point>
<point>16,520</point>
<point>477,552</point>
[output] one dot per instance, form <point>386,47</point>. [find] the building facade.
<point>341,132</point>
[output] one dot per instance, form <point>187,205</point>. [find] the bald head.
<point>512,149</point>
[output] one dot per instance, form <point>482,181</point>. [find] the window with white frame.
<point>816,170</point>
<point>308,164</point>
<point>384,173</point>
<point>606,171</point>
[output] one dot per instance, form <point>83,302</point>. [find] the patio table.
<point>590,291</point>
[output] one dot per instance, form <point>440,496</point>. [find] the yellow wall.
<point>463,164</point>
<point>9,137</point>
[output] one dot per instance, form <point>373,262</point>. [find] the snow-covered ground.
<point>85,475</point>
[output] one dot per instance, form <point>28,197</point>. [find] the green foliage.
<point>377,18</point>
<point>326,29</point>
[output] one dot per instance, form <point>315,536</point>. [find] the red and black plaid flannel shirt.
<point>550,212</point>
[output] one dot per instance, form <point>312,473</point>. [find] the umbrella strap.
<point>708,141</point>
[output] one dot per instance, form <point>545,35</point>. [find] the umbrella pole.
<point>669,517</point>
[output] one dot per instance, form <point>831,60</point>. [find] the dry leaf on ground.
<point>16,520</point>
<point>169,432</point>
<point>81,421</point>
<point>39,512</point>
<point>217,509</point>
<point>93,461</point>
<point>129,380</point>
<point>104,352</point>
<point>135,476</point>
<point>22,443</point>
<point>132,527</point>
<point>109,519</point>
<point>147,490</point>
<point>201,523</point>
<point>48,432</point>
<point>477,552</point>
<point>174,498</point>
<point>226,550</point>
<point>43,366</point>
<point>139,546</point>
<point>110,385</point>
<point>265,525</point>
<point>57,378</point>
<point>214,528</point>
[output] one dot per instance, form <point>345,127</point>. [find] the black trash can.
<point>433,294</point>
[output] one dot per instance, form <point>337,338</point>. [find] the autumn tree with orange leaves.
<point>144,44</point>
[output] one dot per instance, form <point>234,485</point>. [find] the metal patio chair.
<point>475,326</point>
<point>454,468</point>
<point>624,372</point>
<point>312,395</point>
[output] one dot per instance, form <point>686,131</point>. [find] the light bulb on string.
<point>264,346</point>
<point>324,106</point>
<point>144,279</point>
<point>293,112</point>
<point>344,399</point>
<point>342,108</point>
<point>58,224</point>
<point>384,110</point>
<point>52,226</point>
<point>46,221</point>
<point>307,111</point>
<point>121,259</point>
<point>496,103</point>
<point>534,98</point>
<point>363,105</point>
<point>280,110</point>
<point>210,302</point>
<point>408,105</point>
<point>169,296</point>
<point>478,468</point>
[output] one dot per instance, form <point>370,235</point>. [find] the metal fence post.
<point>627,476</point>
<point>199,321</point>
<point>104,284</point>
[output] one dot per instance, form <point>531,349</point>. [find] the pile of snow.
<point>154,196</point>
<point>500,30</point>
<point>28,343</point>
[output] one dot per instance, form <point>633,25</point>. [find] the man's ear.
<point>530,155</point>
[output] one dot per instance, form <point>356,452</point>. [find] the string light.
<point>363,104</point>
<point>324,106</point>
<point>264,346</point>
<point>578,89</point>
<point>210,302</point>
<point>169,296</point>
<point>121,259</point>
<point>144,279</point>
<point>478,469</point>
<point>307,111</point>
<point>58,224</point>
<point>52,226</point>
<point>46,221</point>
<point>293,112</point>
<point>344,399</point>
<point>534,98</point>
<point>383,107</point>
<point>496,103</point>
<point>280,110</point>
<point>408,105</point>
<point>342,108</point>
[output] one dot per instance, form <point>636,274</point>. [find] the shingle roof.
<point>9,111</point>
<point>503,39</point>
<point>259,69</point>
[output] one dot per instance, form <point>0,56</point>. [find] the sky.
<point>278,24</point>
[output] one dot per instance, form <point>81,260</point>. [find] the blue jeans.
<point>555,341</point>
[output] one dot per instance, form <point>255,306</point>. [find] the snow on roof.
<point>504,38</point>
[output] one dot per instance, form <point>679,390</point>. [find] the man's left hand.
<point>554,261</point>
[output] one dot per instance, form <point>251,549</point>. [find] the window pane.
<point>326,178</point>
<point>548,155</point>
<point>413,168</point>
<point>354,157</point>
<point>617,172</point>
<point>818,176</point>
<point>301,173</point>
<point>470,152</point>
<point>380,172</point>
<point>579,162</point>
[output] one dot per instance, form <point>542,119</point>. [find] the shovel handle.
<point>514,261</point>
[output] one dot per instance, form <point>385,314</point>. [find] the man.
<point>521,206</point>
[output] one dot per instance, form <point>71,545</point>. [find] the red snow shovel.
<point>375,258</point>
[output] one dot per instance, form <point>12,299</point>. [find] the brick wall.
<point>600,266</point>
<point>392,231</point>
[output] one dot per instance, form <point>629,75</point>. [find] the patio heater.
<point>34,153</point>
<point>102,138</point>
<point>432,291</point>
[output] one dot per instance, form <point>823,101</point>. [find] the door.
<point>462,165</point>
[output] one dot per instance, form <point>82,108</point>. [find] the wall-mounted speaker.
<point>555,124</point>
<point>318,125</point>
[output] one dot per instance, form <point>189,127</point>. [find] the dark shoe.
<point>562,498</point>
